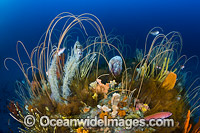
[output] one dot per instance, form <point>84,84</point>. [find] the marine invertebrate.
<point>112,84</point>
<point>86,65</point>
<point>187,125</point>
<point>86,109</point>
<point>104,108</point>
<point>169,81</point>
<point>139,54</point>
<point>115,65</point>
<point>81,130</point>
<point>52,77</point>
<point>78,50</point>
<point>121,113</point>
<point>142,107</point>
<point>114,112</point>
<point>100,87</point>
<point>14,108</point>
<point>70,67</point>
<point>102,115</point>
<point>115,99</point>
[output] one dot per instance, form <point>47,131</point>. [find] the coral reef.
<point>86,84</point>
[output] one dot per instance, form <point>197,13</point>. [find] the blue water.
<point>27,20</point>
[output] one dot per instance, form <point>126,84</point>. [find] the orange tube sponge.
<point>169,81</point>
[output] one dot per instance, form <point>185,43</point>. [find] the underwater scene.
<point>100,66</point>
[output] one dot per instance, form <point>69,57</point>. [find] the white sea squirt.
<point>115,65</point>
<point>78,49</point>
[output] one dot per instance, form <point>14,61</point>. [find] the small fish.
<point>158,67</point>
<point>61,51</point>
<point>154,33</point>
<point>160,115</point>
<point>23,82</point>
<point>8,122</point>
<point>182,67</point>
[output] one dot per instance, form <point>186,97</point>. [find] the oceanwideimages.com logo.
<point>45,121</point>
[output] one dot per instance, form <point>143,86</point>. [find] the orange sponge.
<point>169,81</point>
